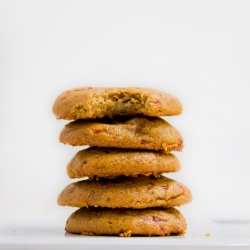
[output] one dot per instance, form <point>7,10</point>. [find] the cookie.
<point>126,222</point>
<point>92,102</point>
<point>113,162</point>
<point>151,133</point>
<point>126,192</point>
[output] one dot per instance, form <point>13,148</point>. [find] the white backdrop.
<point>196,50</point>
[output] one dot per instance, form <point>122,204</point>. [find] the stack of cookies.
<point>125,192</point>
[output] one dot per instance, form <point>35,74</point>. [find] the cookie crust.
<point>96,162</point>
<point>126,222</point>
<point>126,192</point>
<point>151,133</point>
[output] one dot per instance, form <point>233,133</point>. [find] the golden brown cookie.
<point>151,133</point>
<point>113,162</point>
<point>92,102</point>
<point>126,222</point>
<point>126,192</point>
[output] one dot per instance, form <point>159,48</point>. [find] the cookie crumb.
<point>207,235</point>
<point>87,233</point>
<point>46,211</point>
<point>126,233</point>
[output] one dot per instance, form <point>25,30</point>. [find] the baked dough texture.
<point>151,133</point>
<point>94,102</point>
<point>126,192</point>
<point>126,222</point>
<point>96,162</point>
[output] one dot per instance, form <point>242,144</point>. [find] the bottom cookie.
<point>126,222</point>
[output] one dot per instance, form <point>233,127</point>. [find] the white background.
<point>196,50</point>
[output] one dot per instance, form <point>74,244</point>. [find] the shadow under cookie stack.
<point>129,150</point>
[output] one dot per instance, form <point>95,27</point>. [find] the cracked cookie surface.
<point>94,102</point>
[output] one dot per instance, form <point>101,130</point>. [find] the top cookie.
<point>93,102</point>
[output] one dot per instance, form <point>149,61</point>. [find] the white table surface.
<point>203,233</point>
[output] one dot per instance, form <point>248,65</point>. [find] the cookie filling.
<point>114,104</point>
